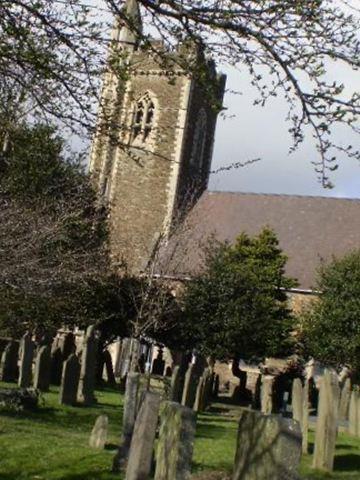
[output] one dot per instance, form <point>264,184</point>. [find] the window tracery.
<point>143,119</point>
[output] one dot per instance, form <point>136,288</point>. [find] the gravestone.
<point>189,391</point>
<point>42,369</point>
<point>143,438</point>
<point>345,400</point>
<point>26,359</point>
<point>256,398</point>
<point>297,400</point>
<point>8,365</point>
<point>67,345</point>
<point>354,414</point>
<point>158,365</point>
<point>99,432</point>
<point>88,367</point>
<point>56,366</point>
<point>305,418</point>
<point>200,393</point>
<point>268,447</point>
<point>216,387</point>
<point>70,381</point>
<point>326,424</point>
<point>108,366</point>
<point>267,385</point>
<point>129,417</point>
<point>176,441</point>
<point>177,383</point>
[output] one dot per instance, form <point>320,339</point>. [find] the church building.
<point>151,159</point>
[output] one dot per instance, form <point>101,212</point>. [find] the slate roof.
<point>309,229</point>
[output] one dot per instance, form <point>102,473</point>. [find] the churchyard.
<point>78,432</point>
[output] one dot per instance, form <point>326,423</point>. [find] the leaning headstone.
<point>8,364</point>
<point>267,385</point>
<point>56,366</point>
<point>26,360</point>
<point>268,447</point>
<point>177,382</point>
<point>305,418</point>
<point>354,414</point>
<point>129,417</point>
<point>158,365</point>
<point>99,432</point>
<point>297,400</point>
<point>70,381</point>
<point>345,400</point>
<point>142,442</point>
<point>326,424</point>
<point>176,440</point>
<point>200,393</point>
<point>42,369</point>
<point>189,391</point>
<point>88,367</point>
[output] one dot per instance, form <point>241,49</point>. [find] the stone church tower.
<point>151,157</point>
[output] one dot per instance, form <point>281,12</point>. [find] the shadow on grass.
<point>347,463</point>
<point>211,431</point>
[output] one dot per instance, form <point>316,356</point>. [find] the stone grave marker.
<point>42,369</point>
<point>99,432</point>
<point>305,418</point>
<point>70,380</point>
<point>88,367</point>
<point>176,441</point>
<point>129,417</point>
<point>189,391</point>
<point>177,383</point>
<point>267,386</point>
<point>27,347</point>
<point>297,400</point>
<point>216,387</point>
<point>268,447</point>
<point>67,345</point>
<point>143,438</point>
<point>9,362</point>
<point>200,393</point>
<point>158,365</point>
<point>354,414</point>
<point>326,424</point>
<point>345,400</point>
<point>56,366</point>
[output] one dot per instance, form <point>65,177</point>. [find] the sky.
<point>249,132</point>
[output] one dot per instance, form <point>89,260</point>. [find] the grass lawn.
<point>52,443</point>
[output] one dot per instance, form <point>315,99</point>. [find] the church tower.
<point>151,155</point>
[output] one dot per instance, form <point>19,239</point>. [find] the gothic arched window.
<point>143,119</point>
<point>199,140</point>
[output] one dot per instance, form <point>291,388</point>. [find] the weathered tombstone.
<point>176,440</point>
<point>8,365</point>
<point>177,382</point>
<point>42,369</point>
<point>26,358</point>
<point>158,365</point>
<point>267,394</point>
<point>345,400</point>
<point>305,418</point>
<point>268,447</point>
<point>99,432</point>
<point>326,424</point>
<point>56,366</point>
<point>70,380</point>
<point>189,391</point>
<point>297,400</point>
<point>129,416</point>
<point>110,377</point>
<point>88,367</point>
<point>143,438</point>
<point>67,345</point>
<point>354,414</point>
<point>199,397</point>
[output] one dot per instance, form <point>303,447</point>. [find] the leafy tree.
<point>237,308</point>
<point>331,326</point>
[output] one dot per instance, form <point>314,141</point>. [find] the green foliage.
<point>331,326</point>
<point>237,307</point>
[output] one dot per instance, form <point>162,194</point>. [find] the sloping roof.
<point>309,229</point>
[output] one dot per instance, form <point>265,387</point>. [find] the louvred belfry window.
<point>143,120</point>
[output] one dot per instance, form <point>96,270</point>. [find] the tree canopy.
<point>330,329</point>
<point>52,54</point>
<point>237,308</point>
